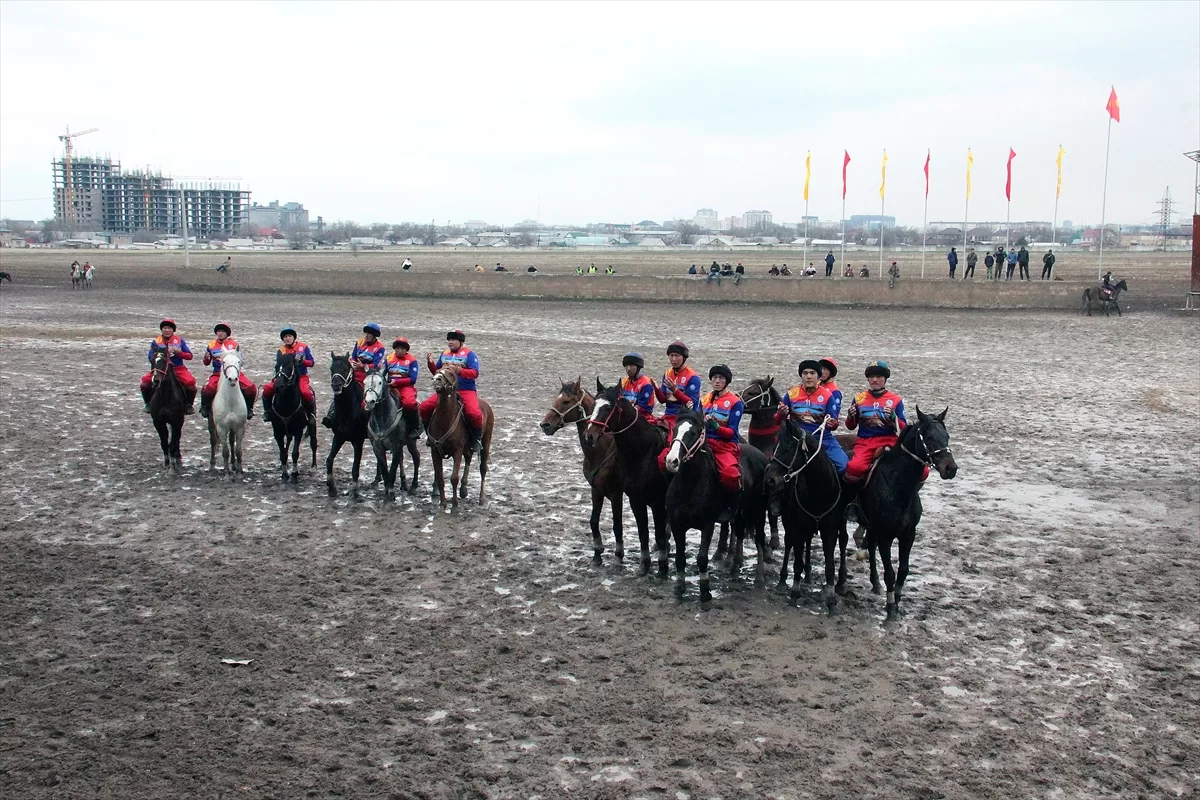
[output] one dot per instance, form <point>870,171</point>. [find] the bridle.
<point>226,367</point>
<point>376,377</point>
<point>762,392</point>
<point>562,415</point>
<point>616,406</point>
<point>930,455</point>
<point>802,444</point>
<point>695,447</point>
<point>160,374</point>
<point>339,381</point>
<point>287,371</point>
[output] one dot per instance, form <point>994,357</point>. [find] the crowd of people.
<point>1000,262</point>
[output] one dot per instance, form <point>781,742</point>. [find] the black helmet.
<point>809,363</point>
<point>223,326</point>
<point>678,346</point>
<point>456,334</point>
<point>878,368</point>
<point>634,359</point>
<point>721,369</point>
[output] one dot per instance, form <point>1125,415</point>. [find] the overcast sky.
<point>612,111</point>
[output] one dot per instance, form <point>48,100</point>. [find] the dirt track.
<point>1050,647</point>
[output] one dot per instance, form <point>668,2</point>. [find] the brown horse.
<point>601,468</point>
<point>1099,298</point>
<point>450,438</point>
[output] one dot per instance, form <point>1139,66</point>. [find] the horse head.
<point>341,373</point>
<point>932,443</point>
<point>572,404</point>
<point>161,370</point>
<point>795,450</point>
<point>231,367</point>
<point>1121,286</point>
<point>610,413</point>
<point>760,395</point>
<point>374,389</point>
<point>687,440</point>
<point>446,380</point>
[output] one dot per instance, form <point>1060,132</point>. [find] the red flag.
<point>1113,107</point>
<point>845,163</point>
<point>1008,185</point>
<point>927,173</point>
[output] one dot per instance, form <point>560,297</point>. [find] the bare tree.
<point>297,237</point>
<point>687,231</point>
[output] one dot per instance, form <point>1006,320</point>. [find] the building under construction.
<point>103,198</point>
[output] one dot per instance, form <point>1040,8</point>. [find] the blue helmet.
<point>373,327</point>
<point>286,330</point>
<point>633,358</point>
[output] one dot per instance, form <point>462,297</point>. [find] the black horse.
<point>290,420</point>
<point>761,399</point>
<point>695,498</point>
<point>4,276</point>
<point>889,505</point>
<point>1103,298</point>
<point>350,419</point>
<point>638,445</point>
<point>804,488</point>
<point>167,404</point>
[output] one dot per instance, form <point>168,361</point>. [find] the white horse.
<point>87,277</point>
<point>227,418</point>
<point>76,276</point>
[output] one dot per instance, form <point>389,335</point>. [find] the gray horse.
<point>389,432</point>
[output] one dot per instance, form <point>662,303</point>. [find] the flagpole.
<point>843,232</point>
<point>1104,196</point>
<point>882,201</point>
<point>924,228</point>
<point>966,216</point>
<point>804,260</point>
<point>1008,226</point>
<point>1054,225</point>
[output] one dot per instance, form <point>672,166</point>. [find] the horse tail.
<point>1087,297</point>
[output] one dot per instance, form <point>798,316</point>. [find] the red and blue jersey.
<point>216,349</point>
<point>686,394</point>
<point>402,370</point>
<point>835,398</point>
<point>812,408</point>
<point>306,356</point>
<point>159,344</point>
<point>726,408</point>
<point>876,414</point>
<point>372,354</point>
<point>467,360</point>
<point>640,391</point>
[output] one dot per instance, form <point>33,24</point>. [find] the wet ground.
<point>1050,646</point>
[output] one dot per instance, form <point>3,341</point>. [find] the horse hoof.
<point>891,612</point>
<point>876,588</point>
<point>597,559</point>
<point>795,595</point>
<point>705,599</point>
<point>645,566</point>
<point>719,555</point>
<point>620,554</point>
<point>332,492</point>
<point>768,557</point>
<point>774,543</point>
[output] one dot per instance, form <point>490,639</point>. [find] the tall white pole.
<point>1008,226</point>
<point>187,254</point>
<point>804,259</point>
<point>1104,197</point>
<point>966,216</point>
<point>881,204</point>
<point>924,228</point>
<point>1054,225</point>
<point>843,232</point>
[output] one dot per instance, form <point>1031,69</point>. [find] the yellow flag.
<point>1061,152</point>
<point>807,173</point>
<point>883,184</point>
<point>970,161</point>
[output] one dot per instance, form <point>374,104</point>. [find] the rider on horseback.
<point>368,353</point>
<point>299,351</point>
<point>680,386</point>
<point>402,371</point>
<point>815,407</point>
<point>1107,287</point>
<point>457,353</point>
<point>637,388</point>
<point>879,416</point>
<point>722,415</point>
<point>178,352</point>
<point>212,357</point>
<point>828,373</point>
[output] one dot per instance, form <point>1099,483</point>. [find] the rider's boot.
<point>249,405</point>
<point>190,400</point>
<point>267,416</point>
<point>310,411</point>
<point>205,405</point>
<point>327,420</point>
<point>145,402</point>
<point>732,499</point>
<point>476,439</point>
<point>412,421</point>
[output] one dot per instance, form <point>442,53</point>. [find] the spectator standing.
<point>829,262</point>
<point>952,258</point>
<point>1001,257</point>
<point>1012,265</point>
<point>1047,265</point>
<point>1023,262</point>
<point>972,260</point>
<point>988,261</point>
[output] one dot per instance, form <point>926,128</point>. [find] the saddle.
<point>1105,293</point>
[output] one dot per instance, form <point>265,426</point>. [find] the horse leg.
<point>312,440</point>
<point>808,557</point>
<point>906,543</point>
<point>396,467</point>
<point>381,469</point>
<point>594,522</point>
<point>415,452</point>
<point>333,451</point>
<point>615,501</point>
<point>680,535</point>
<point>774,533</point>
<point>889,574</point>
<point>706,534</point>
<point>643,525</point>
<point>354,468</point>
<point>439,479</point>
<point>213,439</point>
<point>466,471</point>
<point>829,538</point>
<point>876,588</point>
<point>662,541</point>
<point>843,540</point>
<point>226,441</point>
<point>164,442</point>
<point>722,543</point>
<point>790,538</point>
<point>787,551</point>
<point>176,430</point>
<point>764,553</point>
<point>237,452</point>
<point>454,478</point>
<point>484,455</point>
<point>1117,306</point>
<point>281,441</point>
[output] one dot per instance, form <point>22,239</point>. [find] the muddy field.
<point>1050,647</point>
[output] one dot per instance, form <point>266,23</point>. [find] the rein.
<point>794,473</point>
<point>616,407</point>
<point>440,440</point>
<point>562,415</point>
<point>762,392</point>
<point>290,376</point>
<point>396,420</point>
<point>689,452</point>
<point>927,461</point>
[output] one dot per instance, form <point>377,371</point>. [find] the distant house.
<point>651,241</point>
<point>713,242</point>
<point>456,241</point>
<point>411,241</point>
<point>492,238</point>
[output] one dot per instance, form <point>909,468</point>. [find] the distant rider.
<point>368,354</point>
<point>814,406</point>
<point>722,416</point>
<point>680,386</point>
<point>878,414</point>
<point>403,369</point>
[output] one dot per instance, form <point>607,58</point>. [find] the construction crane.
<point>68,140</point>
